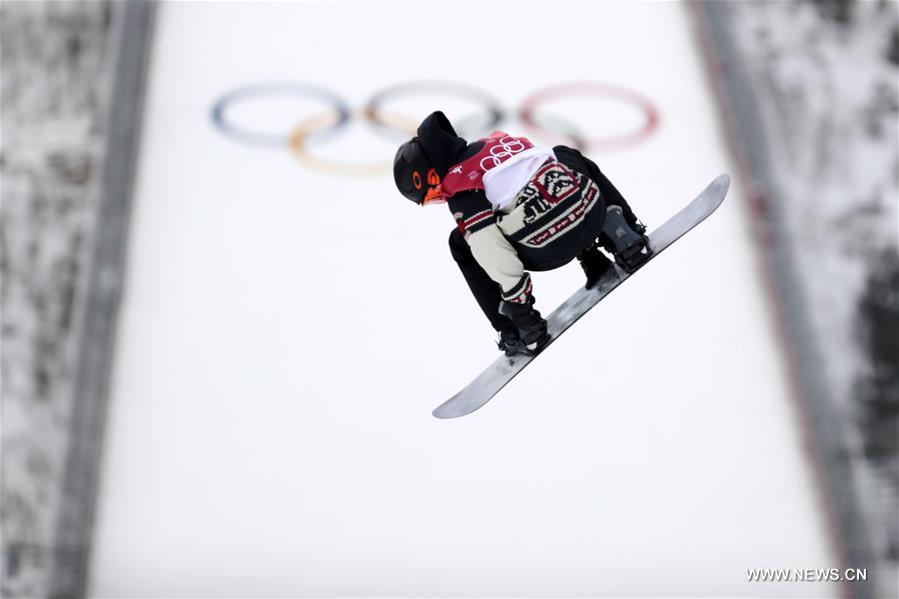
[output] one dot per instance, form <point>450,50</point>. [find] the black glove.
<point>531,326</point>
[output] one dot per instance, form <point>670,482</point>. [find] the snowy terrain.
<point>53,83</point>
<point>285,333</point>
<point>827,85</point>
<point>249,454</point>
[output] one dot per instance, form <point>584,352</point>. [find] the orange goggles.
<point>435,194</point>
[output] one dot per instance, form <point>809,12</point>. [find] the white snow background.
<point>285,334</point>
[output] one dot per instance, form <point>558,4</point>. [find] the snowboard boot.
<point>626,241</point>
<point>595,264</point>
<point>512,345</point>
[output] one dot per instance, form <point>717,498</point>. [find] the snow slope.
<point>829,98</point>
<point>285,334</point>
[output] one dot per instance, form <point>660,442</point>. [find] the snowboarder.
<point>518,207</point>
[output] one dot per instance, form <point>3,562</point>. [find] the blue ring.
<point>271,88</point>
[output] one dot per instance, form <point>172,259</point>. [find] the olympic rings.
<point>323,122</point>
<point>650,114</point>
<point>465,126</point>
<point>303,90</point>
<point>549,128</point>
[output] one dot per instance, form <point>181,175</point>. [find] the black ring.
<point>493,116</point>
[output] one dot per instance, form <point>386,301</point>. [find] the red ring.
<point>650,113</point>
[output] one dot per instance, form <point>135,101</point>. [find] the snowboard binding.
<point>630,247</point>
<point>512,345</point>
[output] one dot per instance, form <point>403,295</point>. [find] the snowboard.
<point>497,375</point>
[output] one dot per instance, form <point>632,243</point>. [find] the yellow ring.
<point>323,121</point>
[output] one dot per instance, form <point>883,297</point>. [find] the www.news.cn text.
<point>806,574</point>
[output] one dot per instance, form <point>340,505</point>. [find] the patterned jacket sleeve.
<point>477,222</point>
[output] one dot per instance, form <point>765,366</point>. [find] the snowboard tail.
<point>505,368</point>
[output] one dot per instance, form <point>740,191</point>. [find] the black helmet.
<point>410,170</point>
